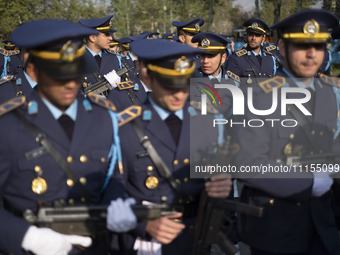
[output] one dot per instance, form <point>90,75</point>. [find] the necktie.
<point>67,124</point>
<point>98,59</point>
<point>174,124</point>
<point>259,58</point>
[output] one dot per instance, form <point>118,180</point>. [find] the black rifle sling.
<point>43,141</point>
<point>301,119</point>
<point>161,167</point>
<point>251,66</point>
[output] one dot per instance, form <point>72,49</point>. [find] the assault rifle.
<point>103,85</point>
<point>87,220</point>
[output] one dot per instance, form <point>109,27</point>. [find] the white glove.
<point>113,78</point>
<point>321,184</point>
<point>42,241</point>
<point>120,217</point>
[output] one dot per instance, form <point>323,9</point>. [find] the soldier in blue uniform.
<point>253,62</point>
<point>84,153</point>
<point>165,121</point>
<point>298,211</point>
<point>10,59</point>
<point>97,46</point>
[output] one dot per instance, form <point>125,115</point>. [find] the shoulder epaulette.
<point>233,76</point>
<point>6,79</point>
<point>275,82</point>
<point>14,52</point>
<point>198,106</point>
<point>270,48</point>
<point>129,114</point>
<point>101,101</point>
<point>4,52</point>
<point>125,85</point>
<point>111,51</point>
<point>12,104</point>
<point>241,52</point>
<point>333,81</point>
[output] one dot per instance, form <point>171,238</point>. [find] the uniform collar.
<point>93,53</point>
<point>145,88</point>
<point>30,81</point>
<point>163,114</point>
<point>71,111</point>
<point>218,77</point>
<point>298,83</point>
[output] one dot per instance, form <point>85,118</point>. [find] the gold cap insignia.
<point>182,64</point>
<point>311,27</point>
<point>197,27</point>
<point>254,25</point>
<point>205,42</point>
<point>68,52</point>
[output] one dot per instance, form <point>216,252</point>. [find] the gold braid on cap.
<point>181,68</point>
<point>68,53</point>
<point>195,29</point>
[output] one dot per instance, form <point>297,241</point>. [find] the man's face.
<point>186,39</point>
<point>211,63</point>
<point>169,99</point>
<point>254,40</point>
<point>303,60</point>
<point>103,40</point>
<point>61,93</point>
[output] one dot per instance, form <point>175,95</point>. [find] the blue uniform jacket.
<point>87,155</point>
<point>292,217</point>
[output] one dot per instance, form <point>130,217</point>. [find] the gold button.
<point>271,201</point>
<point>84,84</point>
<point>85,78</point>
<point>291,136</point>
<point>186,179</point>
<point>321,133</point>
<point>69,159</point>
<point>298,203</point>
<point>178,181</point>
<point>37,169</point>
<point>313,132</point>
<point>83,158</point>
<point>69,182</point>
<point>176,162</point>
<point>83,200</point>
<point>149,168</point>
<point>82,180</point>
<point>99,76</point>
<point>71,201</point>
<point>333,130</point>
<point>186,161</point>
<point>103,160</point>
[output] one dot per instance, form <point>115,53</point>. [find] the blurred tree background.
<point>135,16</point>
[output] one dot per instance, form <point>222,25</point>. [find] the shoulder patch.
<point>233,76</point>
<point>4,52</point>
<point>275,82</point>
<point>197,105</point>
<point>12,104</point>
<point>125,85</point>
<point>333,81</point>
<point>6,79</point>
<point>271,47</point>
<point>241,52</point>
<point>111,51</point>
<point>129,114</point>
<point>14,52</point>
<point>101,101</point>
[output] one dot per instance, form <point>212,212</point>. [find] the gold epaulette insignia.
<point>275,82</point>
<point>271,47</point>
<point>12,104</point>
<point>101,101</point>
<point>333,81</point>
<point>233,76</point>
<point>4,52</point>
<point>198,105</point>
<point>14,52</point>
<point>6,79</point>
<point>129,114</point>
<point>125,85</point>
<point>241,52</point>
<point>111,51</point>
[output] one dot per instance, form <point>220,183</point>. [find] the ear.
<point>181,38</point>
<point>264,38</point>
<point>92,38</point>
<point>32,71</point>
<point>282,48</point>
<point>224,57</point>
